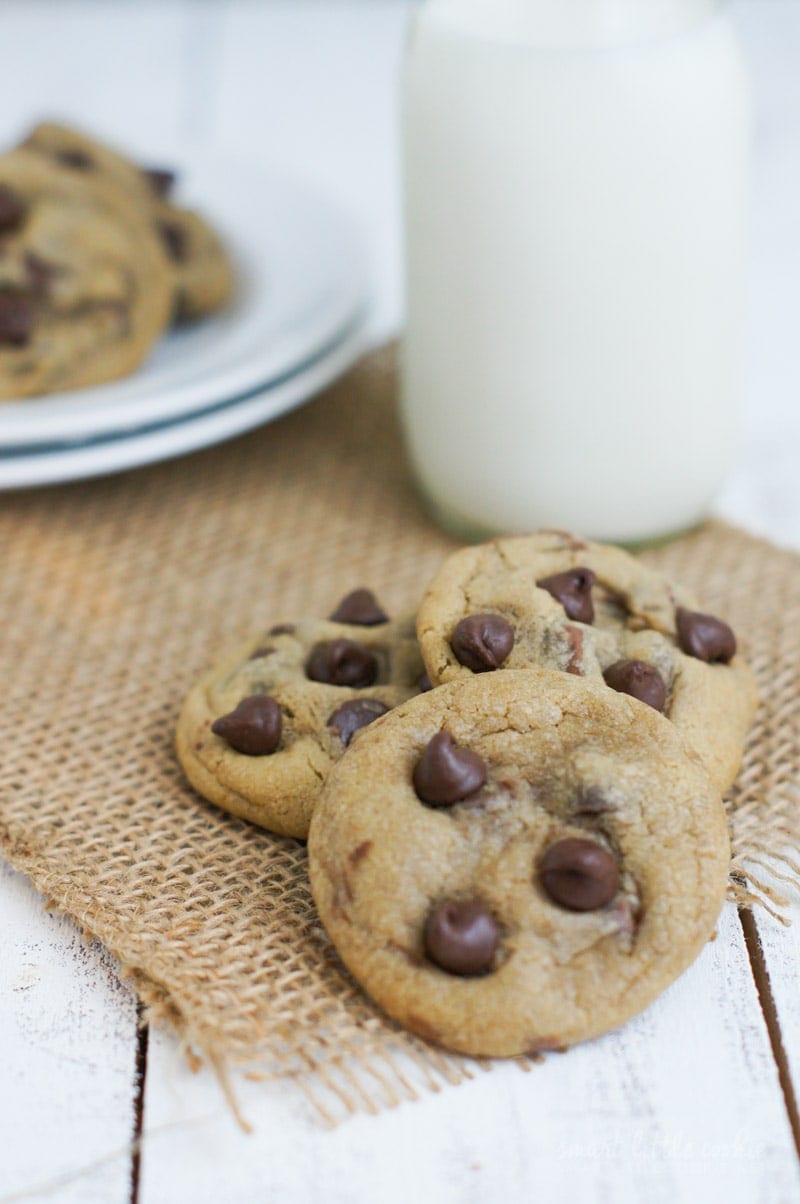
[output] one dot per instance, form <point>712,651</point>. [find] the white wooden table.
<point>694,1101</point>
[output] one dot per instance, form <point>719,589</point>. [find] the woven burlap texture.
<point>115,594</point>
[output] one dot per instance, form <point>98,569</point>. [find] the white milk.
<point>577,195</point>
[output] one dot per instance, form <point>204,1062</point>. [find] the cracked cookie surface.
<point>580,871</point>
<point>552,600</point>
<point>259,733</point>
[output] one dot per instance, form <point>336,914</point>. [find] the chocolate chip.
<point>462,937</point>
<point>482,642</point>
<point>160,179</point>
<point>282,629</point>
<point>638,679</point>
<point>16,319</point>
<point>573,589</point>
<point>348,718</point>
<point>72,157</point>
<point>705,637</point>
<point>423,682</point>
<point>361,608</point>
<point>342,663</point>
<point>253,727</point>
<point>174,239</point>
<point>260,653</point>
<point>579,874</point>
<point>446,774</point>
<point>12,210</point>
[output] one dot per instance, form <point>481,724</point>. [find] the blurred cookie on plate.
<point>86,286</point>
<point>201,269</point>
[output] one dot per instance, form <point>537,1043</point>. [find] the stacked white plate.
<point>296,324</point>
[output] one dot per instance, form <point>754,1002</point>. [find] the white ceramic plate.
<point>166,440</point>
<point>302,287</point>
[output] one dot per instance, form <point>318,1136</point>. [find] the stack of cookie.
<point>95,263</point>
<point>517,836</point>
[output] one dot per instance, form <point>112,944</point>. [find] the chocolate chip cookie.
<point>202,273</point>
<point>85,286</point>
<point>259,733</point>
<point>518,861</point>
<point>551,600</point>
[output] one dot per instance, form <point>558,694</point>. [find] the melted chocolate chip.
<point>446,774</point>
<point>360,608</point>
<point>705,637</point>
<point>342,663</point>
<point>423,682</point>
<point>16,319</point>
<point>482,642</point>
<point>72,157</point>
<point>579,874</point>
<point>282,629</point>
<point>351,716</point>
<point>160,179</point>
<point>462,937</point>
<point>573,589</point>
<point>638,679</point>
<point>253,727</point>
<point>174,239</point>
<point>12,210</point>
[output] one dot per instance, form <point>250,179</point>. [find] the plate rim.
<point>203,431</point>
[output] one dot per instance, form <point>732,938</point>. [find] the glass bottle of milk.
<point>577,195</point>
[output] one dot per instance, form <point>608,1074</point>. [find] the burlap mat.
<point>114,595</point>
